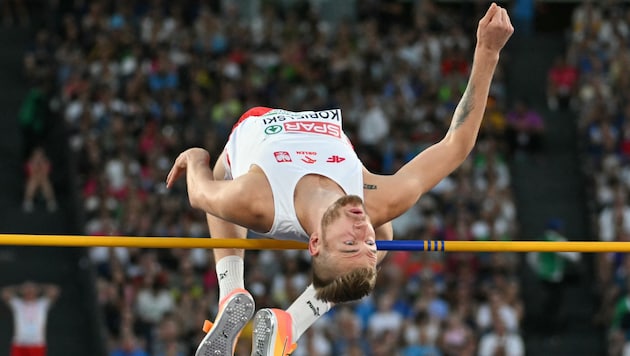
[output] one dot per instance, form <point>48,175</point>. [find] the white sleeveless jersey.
<point>287,146</point>
<point>29,320</point>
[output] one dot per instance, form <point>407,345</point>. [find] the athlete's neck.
<point>313,195</point>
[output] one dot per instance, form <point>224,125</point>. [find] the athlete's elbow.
<point>459,147</point>
<point>465,150</point>
<point>196,199</point>
<point>193,200</point>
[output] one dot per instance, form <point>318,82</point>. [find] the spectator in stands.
<point>494,308</point>
<point>513,299</point>
<point>614,220</point>
<point>494,122</point>
<point>37,173</point>
<point>501,341</point>
<point>33,119</point>
<point>372,131</point>
<point>153,302</point>
<point>30,304</point>
<point>562,80</point>
<point>586,20</point>
<point>167,341</point>
<point>129,345</point>
<point>552,270</point>
<point>386,319</point>
<point>525,129</point>
<point>457,338</point>
<point>347,327</point>
<point>420,336</point>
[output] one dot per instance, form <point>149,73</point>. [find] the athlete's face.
<point>29,291</point>
<point>348,237</point>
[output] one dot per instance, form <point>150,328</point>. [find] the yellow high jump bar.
<point>271,244</point>
<point>148,242</point>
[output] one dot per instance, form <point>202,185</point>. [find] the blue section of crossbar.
<point>385,245</point>
<point>410,245</point>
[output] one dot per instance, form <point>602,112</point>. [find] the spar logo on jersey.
<point>335,159</point>
<point>273,129</point>
<point>316,127</point>
<point>307,156</point>
<point>282,156</point>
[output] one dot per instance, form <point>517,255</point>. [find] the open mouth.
<point>357,211</point>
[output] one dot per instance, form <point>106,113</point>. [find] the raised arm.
<point>8,293</point>
<point>402,190</point>
<point>51,292</point>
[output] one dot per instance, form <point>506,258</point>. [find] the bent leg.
<point>236,305</point>
<point>232,258</point>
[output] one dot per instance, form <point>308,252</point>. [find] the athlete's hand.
<point>183,161</point>
<point>494,29</point>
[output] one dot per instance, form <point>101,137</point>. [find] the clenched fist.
<point>494,29</point>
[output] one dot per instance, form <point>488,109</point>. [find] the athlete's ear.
<point>314,244</point>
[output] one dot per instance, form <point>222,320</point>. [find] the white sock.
<point>230,275</point>
<point>305,310</point>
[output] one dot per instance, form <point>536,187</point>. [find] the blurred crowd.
<point>136,82</point>
<point>592,79</point>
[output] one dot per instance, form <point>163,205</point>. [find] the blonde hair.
<point>331,285</point>
<point>346,287</point>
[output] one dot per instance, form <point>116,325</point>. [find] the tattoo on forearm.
<point>369,186</point>
<point>464,109</point>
